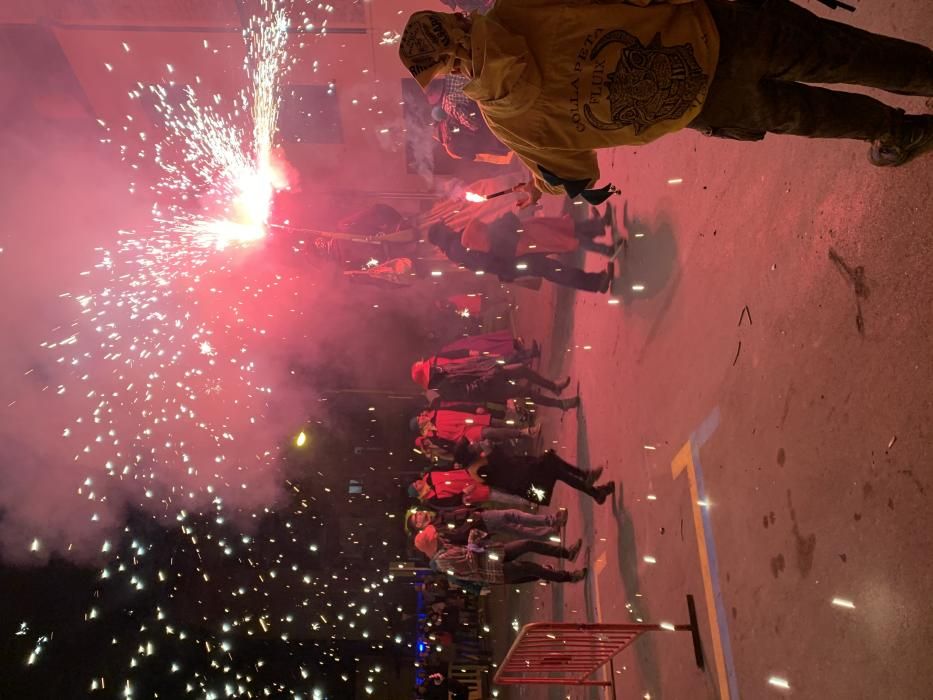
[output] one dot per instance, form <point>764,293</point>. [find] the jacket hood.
<point>506,78</point>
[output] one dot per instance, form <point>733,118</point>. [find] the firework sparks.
<point>162,367</point>
<point>225,165</point>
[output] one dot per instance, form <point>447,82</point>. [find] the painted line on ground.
<point>598,567</point>
<point>688,459</point>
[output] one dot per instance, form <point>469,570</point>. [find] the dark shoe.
<point>606,283</point>
<point>604,491</point>
<point>569,404</point>
<point>572,552</point>
<point>578,575</point>
<point>593,475</point>
<point>914,137</point>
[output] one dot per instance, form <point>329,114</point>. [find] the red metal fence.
<point>569,653</point>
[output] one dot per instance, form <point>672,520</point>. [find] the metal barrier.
<point>569,653</point>
<point>473,677</point>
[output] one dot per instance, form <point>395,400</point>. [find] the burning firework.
<point>224,164</point>
<point>473,197</point>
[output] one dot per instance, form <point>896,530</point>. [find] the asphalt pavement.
<point>761,388</point>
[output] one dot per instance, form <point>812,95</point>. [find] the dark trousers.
<point>519,372</point>
<point>526,571</point>
<point>516,548</point>
<point>570,474</point>
<point>540,265</point>
<point>769,51</point>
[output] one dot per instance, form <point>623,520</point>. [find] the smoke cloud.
<point>125,391</point>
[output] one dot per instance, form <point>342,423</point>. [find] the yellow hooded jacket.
<point>557,79</point>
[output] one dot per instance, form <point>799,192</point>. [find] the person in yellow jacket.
<point>557,79</point>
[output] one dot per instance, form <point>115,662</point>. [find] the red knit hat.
<point>426,541</point>
<point>421,373</point>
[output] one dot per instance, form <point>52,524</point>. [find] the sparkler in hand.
<point>473,197</point>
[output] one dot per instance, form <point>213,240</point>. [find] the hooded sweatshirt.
<point>557,79</point>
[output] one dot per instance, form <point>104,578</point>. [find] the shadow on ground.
<point>648,266</point>
<point>627,558</point>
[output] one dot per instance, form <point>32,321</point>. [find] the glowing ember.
<point>473,197</point>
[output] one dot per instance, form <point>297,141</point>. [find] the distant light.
<point>648,559</point>
<point>675,181</point>
<point>668,626</point>
<point>436,273</point>
<point>521,266</point>
<point>779,682</point>
<point>613,301</point>
<point>843,603</point>
<point>638,287</point>
<point>301,439</point>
